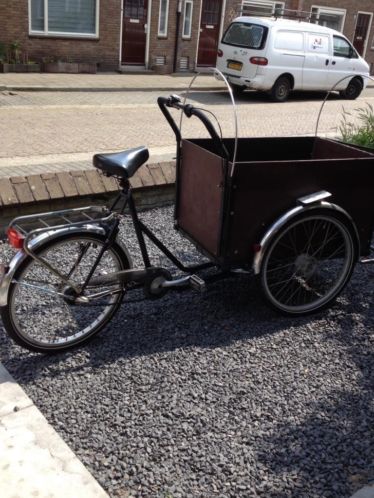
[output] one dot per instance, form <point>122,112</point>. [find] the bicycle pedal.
<point>197,283</point>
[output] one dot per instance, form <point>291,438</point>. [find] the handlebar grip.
<point>189,111</point>
<point>163,103</point>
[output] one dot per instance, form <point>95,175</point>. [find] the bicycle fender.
<point>289,215</point>
<point>34,244</point>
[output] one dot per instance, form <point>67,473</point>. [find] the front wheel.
<point>43,313</point>
<point>308,264</point>
<point>353,90</point>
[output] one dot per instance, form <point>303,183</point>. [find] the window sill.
<point>60,36</point>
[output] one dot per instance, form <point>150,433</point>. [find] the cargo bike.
<point>297,212</point>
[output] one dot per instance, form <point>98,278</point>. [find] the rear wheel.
<point>43,314</point>
<point>308,264</point>
<point>353,90</point>
<point>281,89</point>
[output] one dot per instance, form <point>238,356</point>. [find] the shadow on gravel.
<point>230,311</point>
<point>334,445</point>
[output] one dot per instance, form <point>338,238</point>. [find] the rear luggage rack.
<point>31,225</point>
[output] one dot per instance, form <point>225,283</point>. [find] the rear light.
<point>259,61</point>
<point>219,53</point>
<point>256,248</point>
<point>15,238</point>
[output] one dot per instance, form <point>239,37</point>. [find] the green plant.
<point>361,132</point>
<point>3,52</point>
<point>15,48</point>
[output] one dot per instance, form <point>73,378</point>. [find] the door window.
<point>343,49</point>
<point>210,13</point>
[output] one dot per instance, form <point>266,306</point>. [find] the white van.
<point>278,56</point>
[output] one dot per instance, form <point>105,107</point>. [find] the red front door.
<point>209,32</point>
<point>134,31</point>
<point>361,32</point>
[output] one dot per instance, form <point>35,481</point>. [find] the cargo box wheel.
<point>308,263</point>
<point>281,89</point>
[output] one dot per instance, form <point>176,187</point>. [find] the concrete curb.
<point>34,460</point>
<point>365,492</point>
<point>101,89</point>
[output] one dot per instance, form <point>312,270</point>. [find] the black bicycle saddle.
<point>122,164</point>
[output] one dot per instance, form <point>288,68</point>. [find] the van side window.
<point>344,49</point>
<point>289,40</point>
<point>246,35</point>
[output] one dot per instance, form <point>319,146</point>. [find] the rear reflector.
<point>259,61</point>
<point>219,53</point>
<point>15,238</point>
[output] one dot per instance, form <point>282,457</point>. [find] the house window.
<point>64,17</point>
<point>254,8</point>
<point>187,19</point>
<point>331,18</point>
<point>163,18</point>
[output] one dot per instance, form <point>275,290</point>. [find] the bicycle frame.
<point>141,229</point>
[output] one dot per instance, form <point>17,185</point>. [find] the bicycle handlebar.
<point>189,110</point>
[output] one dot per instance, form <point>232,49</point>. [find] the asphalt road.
<point>42,123</point>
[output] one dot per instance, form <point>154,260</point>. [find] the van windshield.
<point>246,35</point>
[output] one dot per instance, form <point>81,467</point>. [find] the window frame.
<point>367,43</point>
<point>63,34</point>
<point>159,33</point>
<point>263,3</point>
<point>329,10</point>
<point>188,35</point>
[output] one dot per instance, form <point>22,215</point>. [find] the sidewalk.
<point>105,82</point>
<point>34,460</point>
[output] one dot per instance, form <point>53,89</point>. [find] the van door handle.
<point>327,62</point>
<point>333,63</point>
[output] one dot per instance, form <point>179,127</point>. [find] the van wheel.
<point>237,90</point>
<point>353,90</point>
<point>281,89</point>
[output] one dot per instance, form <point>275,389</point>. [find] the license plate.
<point>235,65</point>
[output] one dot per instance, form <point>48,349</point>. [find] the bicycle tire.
<point>38,318</point>
<point>308,264</point>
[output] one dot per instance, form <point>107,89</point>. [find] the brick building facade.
<point>163,35</point>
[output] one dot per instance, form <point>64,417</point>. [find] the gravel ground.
<point>216,395</point>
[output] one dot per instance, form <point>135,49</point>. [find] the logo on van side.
<point>319,43</point>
